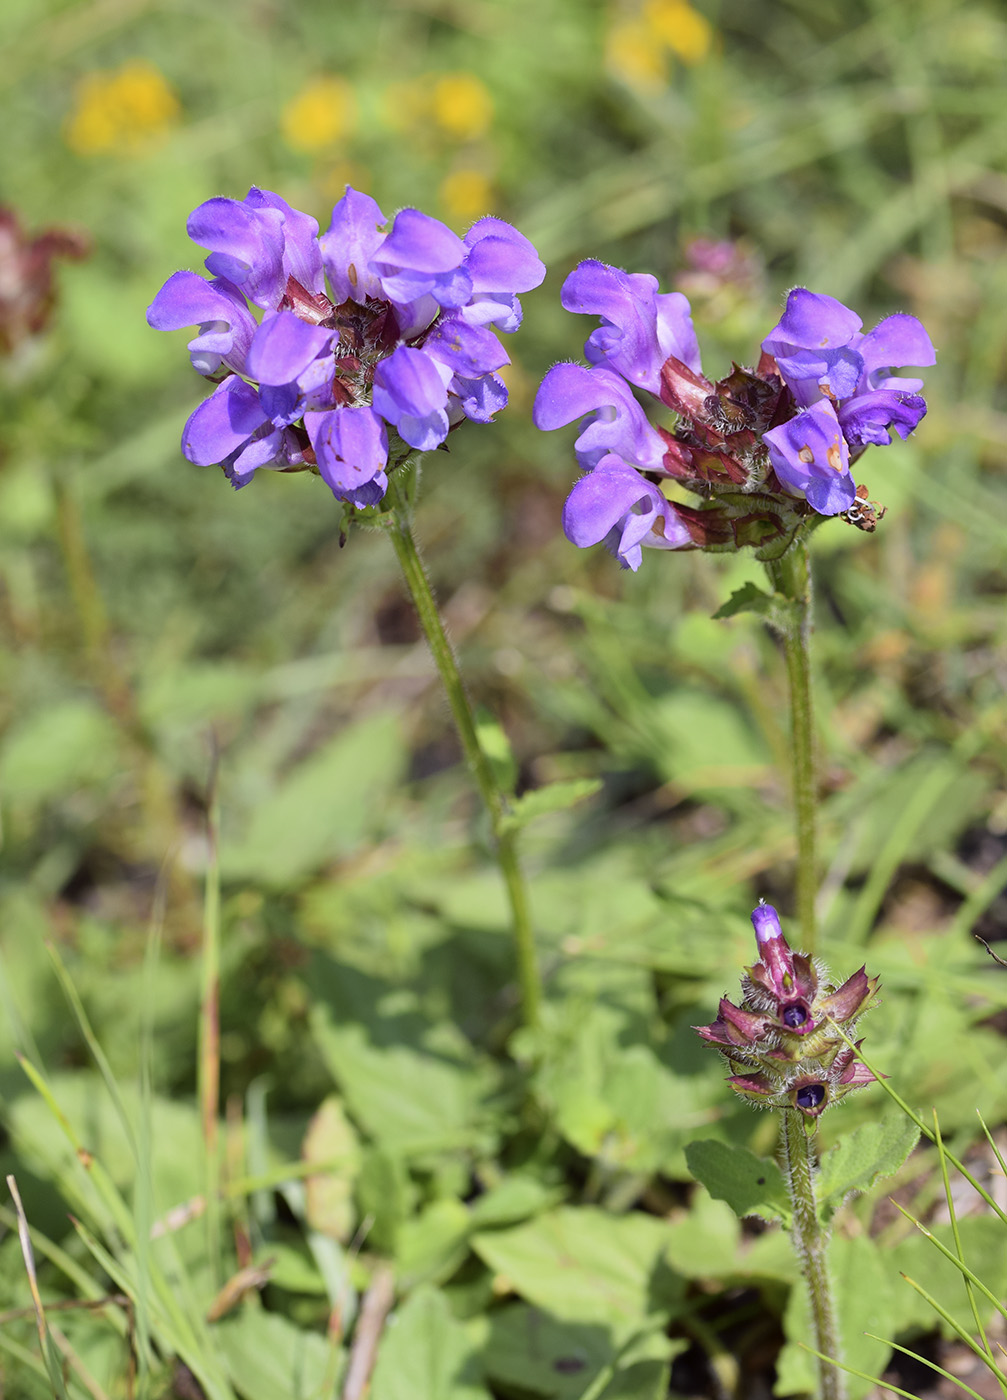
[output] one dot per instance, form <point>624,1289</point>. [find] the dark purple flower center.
<point>795,1015</point>
<point>810,1096</point>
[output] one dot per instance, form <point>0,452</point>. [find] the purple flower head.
<point>639,328</point>
<point>811,458</point>
<point>782,1044</point>
<point>399,343</point>
<point>616,506</point>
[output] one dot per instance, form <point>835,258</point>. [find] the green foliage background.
<point>537,1208</point>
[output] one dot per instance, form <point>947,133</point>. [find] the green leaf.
<point>532,1351</point>
<point>585,1265</point>
<point>496,746</point>
<point>331,1140</point>
<point>269,1357</point>
<point>748,598</point>
<point>864,1288</point>
<point>325,808</point>
<point>864,1156</point>
<point>58,749</point>
<point>750,1185</point>
<point>426,1354</point>
<point>704,1243</point>
<point>554,797</point>
<point>430,1246</point>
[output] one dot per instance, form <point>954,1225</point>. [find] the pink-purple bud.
<point>782,1043</point>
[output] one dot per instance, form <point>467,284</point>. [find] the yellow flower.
<point>121,111</point>
<point>465,194</point>
<point>321,114</point>
<point>462,106</point>
<point>685,31</point>
<point>633,54</point>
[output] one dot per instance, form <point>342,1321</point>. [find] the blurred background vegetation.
<point>169,648</point>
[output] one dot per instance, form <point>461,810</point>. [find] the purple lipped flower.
<point>500,263</point>
<point>639,327</point>
<point>618,507</point>
<point>411,393</point>
<point>811,458</point>
<point>613,420</point>
<point>394,355</point>
<point>226,326</point>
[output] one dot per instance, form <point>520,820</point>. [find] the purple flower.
<point>616,506</point>
<point>401,340</point>
<point>810,456</point>
<point>820,350</point>
<point>639,328</point>
<point>411,393</point>
<point>613,420</point>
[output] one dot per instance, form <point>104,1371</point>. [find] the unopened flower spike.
<point>765,450</point>
<point>781,1043</point>
<point>372,342</point>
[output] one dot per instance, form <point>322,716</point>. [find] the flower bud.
<point>782,1043</point>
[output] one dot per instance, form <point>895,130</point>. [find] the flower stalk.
<point>810,1244</point>
<point>791,577</point>
<point>398,521</point>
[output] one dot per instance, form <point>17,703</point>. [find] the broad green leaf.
<point>513,1200</point>
<point>554,797</point>
<point>864,1287</point>
<point>269,1357</point>
<point>58,749</point>
<point>864,1156</point>
<point>331,1139</point>
<point>750,1185</point>
<point>426,1354</point>
<point>704,1243</point>
<point>325,808</point>
<point>431,1245</point>
<point>409,1100</point>
<point>535,1352</point>
<point>585,1265</point>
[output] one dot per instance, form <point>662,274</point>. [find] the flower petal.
<point>351,447</point>
<point>222,423</point>
<point>348,245</point>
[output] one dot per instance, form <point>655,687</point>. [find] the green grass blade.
<point>932,1364</point>
<point>970,1342</point>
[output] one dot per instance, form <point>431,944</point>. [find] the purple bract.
<point>400,342</point>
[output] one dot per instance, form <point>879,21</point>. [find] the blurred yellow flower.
<point>685,31</point>
<point>632,54</point>
<point>465,194</point>
<point>462,106</point>
<point>321,114</point>
<point>636,48</point>
<point>122,110</point>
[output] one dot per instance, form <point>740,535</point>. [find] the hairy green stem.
<point>398,521</point>
<point>791,577</point>
<point>810,1245</point>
